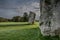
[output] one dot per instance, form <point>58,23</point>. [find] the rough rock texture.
<point>32,17</point>
<point>50,17</point>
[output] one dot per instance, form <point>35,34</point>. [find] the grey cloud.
<point>9,8</point>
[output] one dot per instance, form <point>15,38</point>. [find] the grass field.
<point>22,31</point>
<point>19,31</point>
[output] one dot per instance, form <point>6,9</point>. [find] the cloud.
<point>10,8</point>
<point>34,6</point>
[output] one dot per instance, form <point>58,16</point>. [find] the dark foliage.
<point>25,17</point>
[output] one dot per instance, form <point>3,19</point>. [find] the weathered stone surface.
<point>50,17</point>
<point>32,17</point>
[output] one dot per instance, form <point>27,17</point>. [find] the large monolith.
<point>31,17</point>
<point>50,17</point>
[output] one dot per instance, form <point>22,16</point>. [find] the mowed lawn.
<point>19,31</point>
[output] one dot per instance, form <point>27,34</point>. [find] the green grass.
<point>19,31</point>
<point>22,31</point>
<point>16,26</point>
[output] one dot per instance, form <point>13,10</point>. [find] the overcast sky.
<point>10,8</point>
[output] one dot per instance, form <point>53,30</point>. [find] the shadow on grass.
<point>14,25</point>
<point>41,37</point>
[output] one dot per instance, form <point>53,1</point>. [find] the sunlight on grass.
<point>9,31</point>
<point>22,31</point>
<point>12,26</point>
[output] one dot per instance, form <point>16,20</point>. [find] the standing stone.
<point>32,17</point>
<point>50,17</point>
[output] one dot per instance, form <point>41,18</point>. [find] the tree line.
<point>24,18</point>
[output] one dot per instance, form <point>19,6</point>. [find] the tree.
<point>3,19</point>
<point>25,17</point>
<point>16,19</point>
